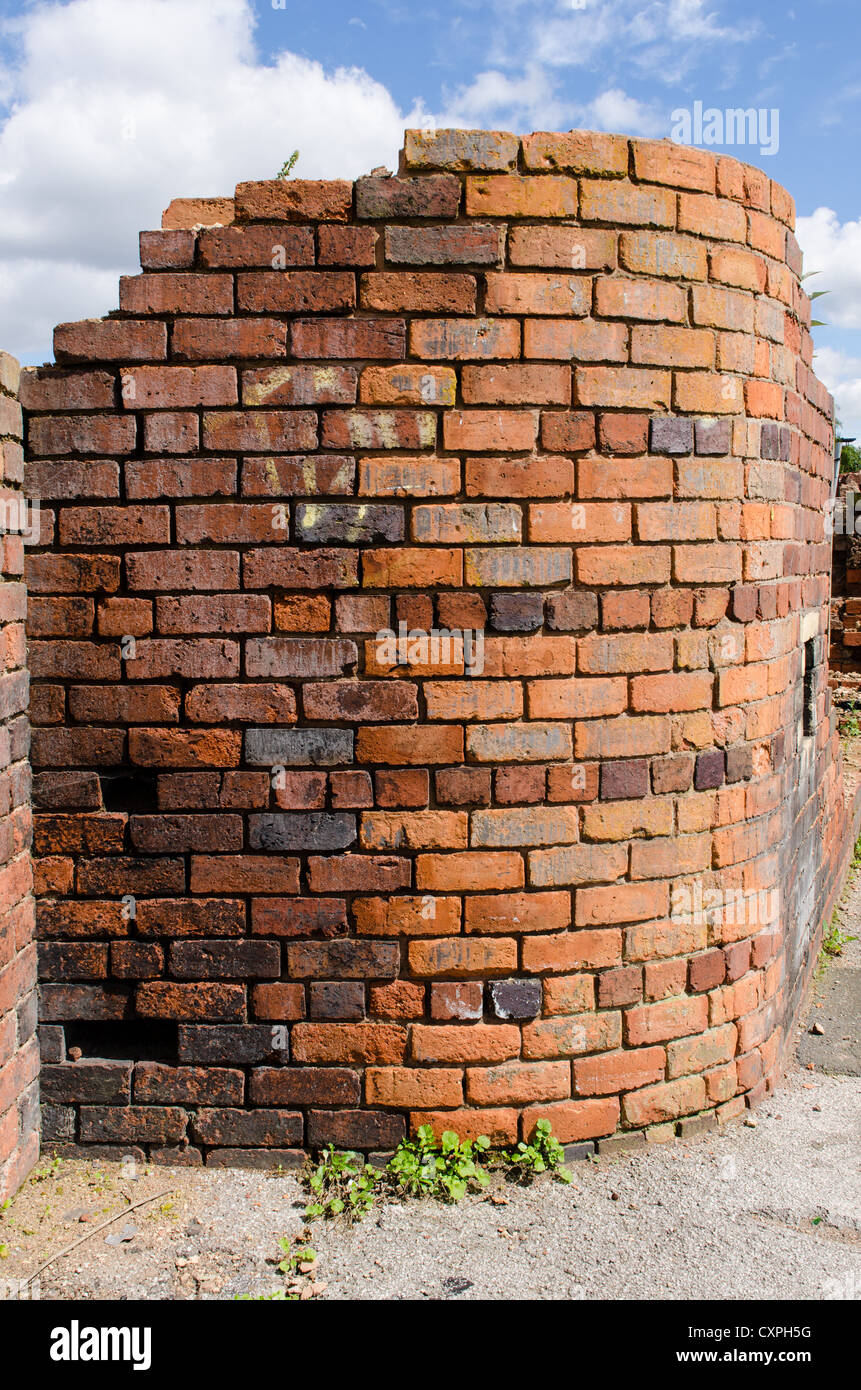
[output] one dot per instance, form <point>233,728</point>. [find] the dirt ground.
<point>767,1208</point>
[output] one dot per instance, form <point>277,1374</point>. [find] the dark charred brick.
<point>299,747</point>
<point>515,998</point>
<point>224,960</point>
<point>517,612</point>
<point>431,195</point>
<point>713,436</point>
<point>769,440</point>
<point>243,1128</point>
<point>67,791</point>
<point>58,1122</point>
<point>140,1124</point>
<point>99,1083</point>
<point>329,521</point>
<point>136,960</point>
<point>182,917</point>
<point>709,769</point>
<point>624,779</point>
<point>354,1129</point>
<point>94,1002</point>
<point>345,960</point>
<point>342,1002</point>
<point>52,1043</point>
<point>573,610</point>
<point>312,830</point>
<point>277,1086</point>
<point>66,961</point>
<point>157,1084</point>
<point>668,435</point>
<point>463,786</point>
<point>463,244</point>
<point>236,1045</point>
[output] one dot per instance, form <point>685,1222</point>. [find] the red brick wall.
<point>844,657</point>
<point>553,391</point>
<point>19,1049</point>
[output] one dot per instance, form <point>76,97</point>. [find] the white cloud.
<point>687,19</point>
<point>663,39</point>
<point>36,294</point>
<point>841,373</point>
<point>833,248</point>
<point>523,102</point>
<point>613,110</point>
<point>116,109</point>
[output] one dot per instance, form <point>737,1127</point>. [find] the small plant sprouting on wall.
<point>287,167</point>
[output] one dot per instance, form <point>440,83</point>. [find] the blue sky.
<point>108,108</point>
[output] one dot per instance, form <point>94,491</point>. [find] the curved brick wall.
<point>554,393</point>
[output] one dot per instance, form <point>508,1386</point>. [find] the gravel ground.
<point>769,1211</point>
<point>768,1208</point>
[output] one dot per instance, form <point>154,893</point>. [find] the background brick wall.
<point>19,1049</point>
<point>556,391</point>
<point>844,657</point>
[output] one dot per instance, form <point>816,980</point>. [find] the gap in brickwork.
<point>133,1041</point>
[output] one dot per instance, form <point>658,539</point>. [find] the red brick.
<point>581,342</point>
<point>51,435</point>
<point>573,1120</point>
<point>339,338</point>
<point>176,293</point>
<point>465,1043</point>
<point>110,340</point>
<point>294,200</point>
<point>346,245</point>
<point>404,291</point>
<point>259,431</point>
<point>173,388</point>
<point>205,339</point>
<point>515,292</point>
<point>295,291</point>
<point>273,247</point>
<point>516,385</point>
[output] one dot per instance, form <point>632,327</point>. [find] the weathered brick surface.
<point>19,1049</point>
<point>418,633</point>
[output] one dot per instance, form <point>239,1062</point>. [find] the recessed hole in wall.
<point>136,791</point>
<point>809,715</point>
<point>137,1040</point>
